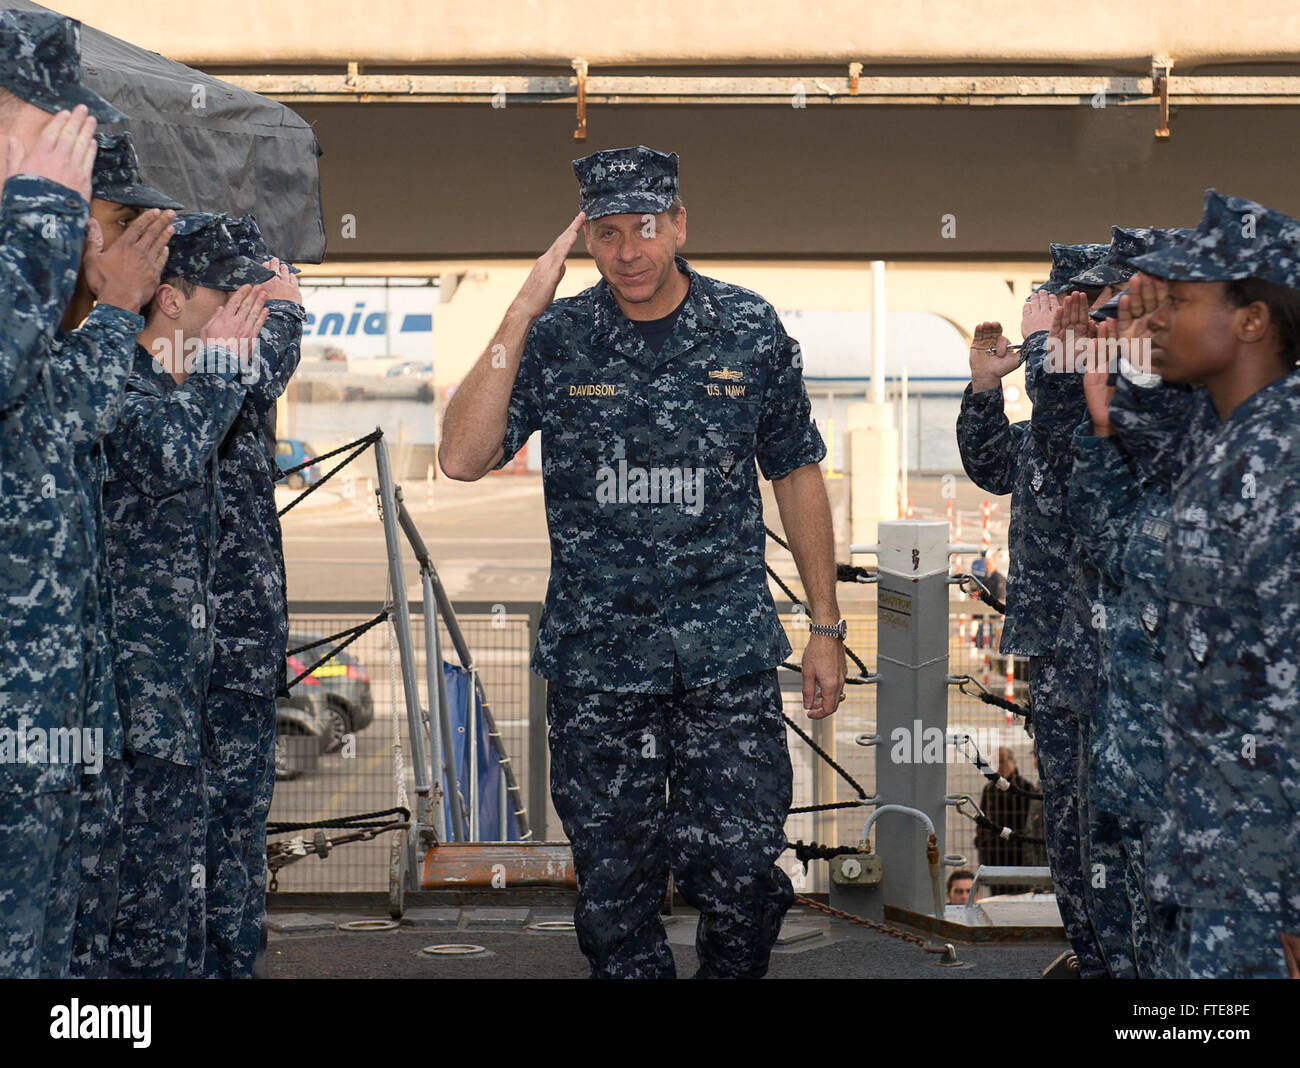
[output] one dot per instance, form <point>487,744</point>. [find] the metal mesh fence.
<point>358,776</point>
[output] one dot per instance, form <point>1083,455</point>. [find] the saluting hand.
<point>240,320</point>
<point>64,151</point>
<point>1072,323</point>
<point>1097,390</point>
<point>991,357</point>
<point>1144,297</point>
<point>284,286</point>
<point>127,275</point>
<point>1038,312</point>
<point>538,290</point>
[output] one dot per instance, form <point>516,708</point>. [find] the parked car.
<point>300,733</point>
<point>409,367</point>
<point>290,452</point>
<point>344,689</point>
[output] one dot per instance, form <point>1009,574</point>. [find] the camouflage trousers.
<point>719,753</point>
<point>159,914</point>
<point>1056,741</point>
<point>1217,944</point>
<point>100,831</point>
<point>38,883</point>
<point>1113,889</point>
<point>239,799</point>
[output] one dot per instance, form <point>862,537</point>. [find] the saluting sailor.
<point>660,395</point>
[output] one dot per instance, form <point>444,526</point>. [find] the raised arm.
<point>486,404</point>
<point>90,368</point>
<point>43,211</point>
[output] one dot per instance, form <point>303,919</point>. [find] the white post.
<point>878,331</point>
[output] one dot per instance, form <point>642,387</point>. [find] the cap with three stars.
<point>40,62</point>
<point>203,252</point>
<point>1067,261</point>
<point>1114,268</point>
<point>117,175</point>
<point>620,181</point>
<point>1236,238</point>
<point>249,240</point>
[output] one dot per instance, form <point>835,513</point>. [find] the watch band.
<point>838,630</point>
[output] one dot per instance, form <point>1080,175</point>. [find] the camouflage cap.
<point>1109,310</point>
<point>619,181</point>
<point>1069,260</point>
<point>203,252</point>
<point>1155,239</point>
<point>249,240</point>
<point>117,175</point>
<point>1114,268</point>
<point>1236,238</point>
<point>40,62</point>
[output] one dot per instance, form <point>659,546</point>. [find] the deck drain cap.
<point>369,925</point>
<point>454,949</point>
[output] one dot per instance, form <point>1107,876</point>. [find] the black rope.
<point>1009,706</point>
<point>356,633</point>
<point>805,852</point>
<point>854,573</point>
<point>1015,836</point>
<point>986,769</point>
<point>981,591</point>
<point>366,442</point>
<point>286,472</point>
<point>849,680</point>
<point>799,604</point>
<point>826,807</point>
<point>343,822</point>
<point>825,756</point>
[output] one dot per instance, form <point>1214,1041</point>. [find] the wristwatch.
<point>839,630</point>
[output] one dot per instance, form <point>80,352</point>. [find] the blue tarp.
<point>489,771</point>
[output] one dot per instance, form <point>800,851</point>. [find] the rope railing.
<point>352,633</point>
<point>359,446</point>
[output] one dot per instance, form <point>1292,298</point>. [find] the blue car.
<point>290,452</point>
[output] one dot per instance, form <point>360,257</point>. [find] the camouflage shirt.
<point>652,500</point>
<point>161,525</point>
<point>1002,457</point>
<point>1232,665</point>
<point>88,369</point>
<point>251,620</point>
<point>45,547</point>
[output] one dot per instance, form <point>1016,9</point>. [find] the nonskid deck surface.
<point>307,944</point>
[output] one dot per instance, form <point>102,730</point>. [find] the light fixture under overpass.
<point>581,89</point>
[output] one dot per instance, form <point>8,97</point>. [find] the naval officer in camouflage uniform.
<point>1127,454</point>
<point>1228,846</point>
<point>1112,891</point>
<point>1002,457</point>
<point>251,628</point>
<point>45,543</point>
<point>657,393</point>
<point>193,367</point>
<point>126,249</point>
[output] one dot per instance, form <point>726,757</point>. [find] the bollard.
<point>912,703</point>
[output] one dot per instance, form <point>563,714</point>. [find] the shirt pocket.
<point>1194,586</point>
